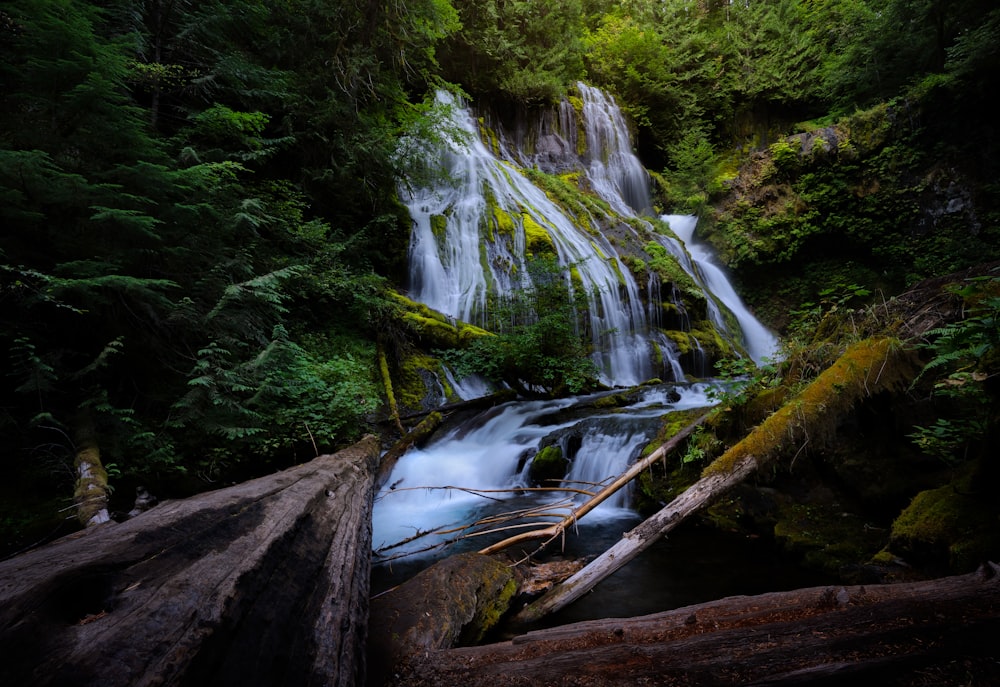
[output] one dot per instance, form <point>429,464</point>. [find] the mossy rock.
<point>612,401</point>
<point>945,528</point>
<point>549,464</point>
<point>421,384</point>
<point>537,240</point>
<point>825,536</point>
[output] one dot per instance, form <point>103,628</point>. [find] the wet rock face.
<point>455,601</point>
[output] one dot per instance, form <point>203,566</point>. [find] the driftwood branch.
<point>556,530</point>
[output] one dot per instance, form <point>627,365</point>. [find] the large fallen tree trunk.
<point>899,634</point>
<point>265,582</point>
<point>867,367</point>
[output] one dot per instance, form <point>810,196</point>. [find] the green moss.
<point>439,227</point>
<point>883,557</point>
<point>503,222</point>
<point>667,267</point>
<point>488,615</point>
<point>432,331</point>
<point>813,415</point>
<point>681,339</point>
<point>537,240</point>
<point>411,388</point>
<point>946,527</point>
<point>489,137</point>
<point>611,401</point>
<point>548,464</point>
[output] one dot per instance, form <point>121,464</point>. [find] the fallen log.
<point>264,582</point>
<point>636,540</point>
<point>455,601</point>
<point>865,368</point>
<point>882,634</point>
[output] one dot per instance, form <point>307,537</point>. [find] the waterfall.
<point>454,479</point>
<point>615,172</point>
<point>759,342</point>
<point>469,242</point>
<point>472,228</point>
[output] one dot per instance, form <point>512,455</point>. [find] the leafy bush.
<point>539,347</point>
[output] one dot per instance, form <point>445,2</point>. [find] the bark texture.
<point>455,601</point>
<point>265,582</point>
<point>901,634</point>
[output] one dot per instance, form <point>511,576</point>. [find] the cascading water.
<point>469,238</point>
<point>759,342</point>
<point>615,173</point>
<point>468,243</point>
<point>456,478</point>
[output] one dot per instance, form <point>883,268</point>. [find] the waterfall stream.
<point>758,340</point>
<point>471,229</point>
<point>469,237</point>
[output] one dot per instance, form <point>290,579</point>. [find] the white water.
<point>486,454</point>
<point>462,258</point>
<point>615,173</point>
<point>454,270</point>
<point>759,342</point>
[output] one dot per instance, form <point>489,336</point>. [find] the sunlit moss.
<point>537,239</point>
<point>502,220</point>
<point>812,416</point>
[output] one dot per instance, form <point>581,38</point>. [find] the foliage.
<point>539,347</point>
<point>526,51</point>
<point>965,359</point>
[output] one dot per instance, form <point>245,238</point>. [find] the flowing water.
<point>467,247</point>
<point>468,243</point>
<point>463,475</point>
<point>758,341</point>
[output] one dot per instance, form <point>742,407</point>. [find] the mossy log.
<point>933,632</point>
<point>454,602</point>
<point>264,582</point>
<point>866,368</point>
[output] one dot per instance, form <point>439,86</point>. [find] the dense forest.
<point>202,237</point>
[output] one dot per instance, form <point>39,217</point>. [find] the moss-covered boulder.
<point>549,464</point>
<point>947,529</point>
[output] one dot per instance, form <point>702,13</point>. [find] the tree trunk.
<point>265,582</point>
<point>90,495</point>
<point>933,632</point>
